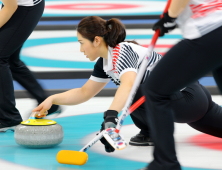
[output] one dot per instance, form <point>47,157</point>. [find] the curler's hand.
<point>44,107</point>
<point>165,24</point>
<point>110,120</point>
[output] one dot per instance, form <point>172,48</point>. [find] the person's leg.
<point>139,116</point>
<point>211,122</point>
<point>9,115</point>
<point>217,74</point>
<point>190,104</point>
<point>183,64</point>
<point>143,137</point>
<point>25,77</point>
<point>13,34</point>
<point>138,119</point>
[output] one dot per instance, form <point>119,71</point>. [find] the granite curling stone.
<point>38,133</point>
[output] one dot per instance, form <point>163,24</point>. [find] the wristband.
<point>167,18</point>
<point>110,113</point>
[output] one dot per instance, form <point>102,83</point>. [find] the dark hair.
<point>112,31</point>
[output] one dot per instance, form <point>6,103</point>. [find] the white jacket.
<point>200,17</point>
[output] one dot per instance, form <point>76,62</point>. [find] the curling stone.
<point>38,133</point>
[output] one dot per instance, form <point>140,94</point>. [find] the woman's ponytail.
<point>116,32</point>
<point>112,31</point>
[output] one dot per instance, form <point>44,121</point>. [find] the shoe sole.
<point>144,168</point>
<point>2,130</point>
<point>141,144</point>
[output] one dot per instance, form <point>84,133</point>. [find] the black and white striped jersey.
<point>121,59</point>
<point>28,2</point>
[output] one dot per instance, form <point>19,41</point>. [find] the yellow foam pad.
<point>72,157</point>
<point>38,122</point>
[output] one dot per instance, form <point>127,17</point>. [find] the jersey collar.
<point>107,63</point>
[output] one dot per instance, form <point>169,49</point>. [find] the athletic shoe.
<point>140,140</point>
<point>53,109</point>
<point>146,168</point>
<point>4,129</point>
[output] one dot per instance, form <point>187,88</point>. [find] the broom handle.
<point>92,142</point>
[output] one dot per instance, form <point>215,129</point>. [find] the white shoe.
<point>146,168</point>
<point>4,129</point>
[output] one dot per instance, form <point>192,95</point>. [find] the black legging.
<point>12,36</point>
<point>193,106</point>
<point>186,62</point>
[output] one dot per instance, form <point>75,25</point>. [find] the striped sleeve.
<point>37,2</point>
<point>127,60</point>
<point>98,73</point>
<point>155,58</point>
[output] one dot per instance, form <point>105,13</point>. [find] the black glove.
<point>165,24</point>
<point>110,120</point>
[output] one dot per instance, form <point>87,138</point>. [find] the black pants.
<point>186,62</point>
<point>12,36</point>
<point>193,106</point>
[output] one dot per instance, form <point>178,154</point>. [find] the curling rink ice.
<point>195,150</point>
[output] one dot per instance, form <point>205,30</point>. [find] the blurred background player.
<point>18,18</point>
